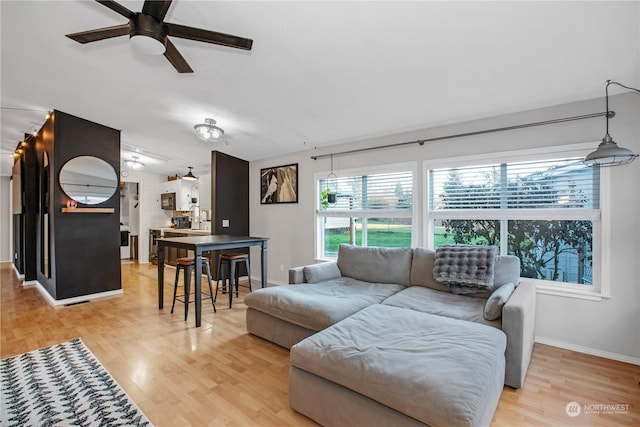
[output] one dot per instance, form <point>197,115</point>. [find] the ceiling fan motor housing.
<point>148,27</point>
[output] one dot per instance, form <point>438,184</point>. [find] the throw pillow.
<point>320,272</point>
<point>497,300</point>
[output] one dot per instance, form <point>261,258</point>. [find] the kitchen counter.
<point>172,253</point>
<point>186,232</point>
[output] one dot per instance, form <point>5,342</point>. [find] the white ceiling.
<point>320,73</point>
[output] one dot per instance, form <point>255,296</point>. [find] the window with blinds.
<point>373,192</point>
<point>371,208</point>
<point>544,212</point>
<point>559,184</point>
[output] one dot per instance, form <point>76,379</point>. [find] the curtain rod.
<point>421,142</point>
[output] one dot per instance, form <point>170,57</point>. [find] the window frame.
<point>412,213</point>
<point>601,223</point>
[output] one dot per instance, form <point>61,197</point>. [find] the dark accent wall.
<point>25,222</point>
<point>229,194</point>
<point>229,198</point>
<point>84,256</point>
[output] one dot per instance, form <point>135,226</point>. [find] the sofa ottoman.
<point>391,366</point>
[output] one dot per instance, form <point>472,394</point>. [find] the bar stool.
<point>232,263</point>
<point>188,264</point>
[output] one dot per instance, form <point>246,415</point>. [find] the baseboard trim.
<point>15,270</point>
<point>588,350</point>
<point>58,303</point>
<point>269,283</point>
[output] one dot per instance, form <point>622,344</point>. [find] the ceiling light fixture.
<point>190,176</point>
<point>608,153</point>
<point>134,163</point>
<point>208,131</point>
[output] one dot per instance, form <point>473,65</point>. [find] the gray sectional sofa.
<point>375,340</point>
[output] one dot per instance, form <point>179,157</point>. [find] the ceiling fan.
<point>149,33</point>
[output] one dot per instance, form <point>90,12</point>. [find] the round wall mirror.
<point>88,180</point>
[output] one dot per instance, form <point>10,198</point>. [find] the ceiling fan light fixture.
<point>134,163</point>
<point>190,176</point>
<point>208,131</point>
<point>147,45</point>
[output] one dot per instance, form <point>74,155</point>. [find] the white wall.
<point>609,327</point>
<point>5,224</point>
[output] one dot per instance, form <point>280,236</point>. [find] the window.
<point>545,212</point>
<point>372,207</point>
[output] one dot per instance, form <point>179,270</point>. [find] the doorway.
<point>129,221</point>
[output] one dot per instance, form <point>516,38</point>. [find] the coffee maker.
<point>181,222</point>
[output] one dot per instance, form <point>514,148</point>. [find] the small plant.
<point>324,198</point>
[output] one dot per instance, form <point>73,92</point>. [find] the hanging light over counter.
<point>190,176</point>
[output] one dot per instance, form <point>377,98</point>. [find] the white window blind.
<point>371,193</point>
<point>560,184</point>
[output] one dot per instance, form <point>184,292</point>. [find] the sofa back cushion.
<point>422,270</point>
<point>377,265</point>
<point>507,270</point>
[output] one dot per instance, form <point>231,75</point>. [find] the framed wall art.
<point>279,184</point>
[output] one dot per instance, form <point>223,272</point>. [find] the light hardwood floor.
<point>219,375</point>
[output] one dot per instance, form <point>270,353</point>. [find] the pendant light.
<point>608,153</point>
<point>190,176</point>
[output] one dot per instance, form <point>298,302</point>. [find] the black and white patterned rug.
<point>63,385</point>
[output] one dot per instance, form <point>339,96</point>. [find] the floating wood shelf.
<point>88,210</point>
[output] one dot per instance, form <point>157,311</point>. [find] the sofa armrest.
<point>296,275</point>
<point>314,273</point>
<point>518,323</point>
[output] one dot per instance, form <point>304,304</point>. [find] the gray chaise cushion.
<point>440,371</point>
<point>318,305</point>
<point>380,265</point>
<point>442,303</point>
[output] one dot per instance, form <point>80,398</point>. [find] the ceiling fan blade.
<point>207,36</point>
<point>116,7</point>
<point>176,59</point>
<point>157,9</point>
<point>100,34</point>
